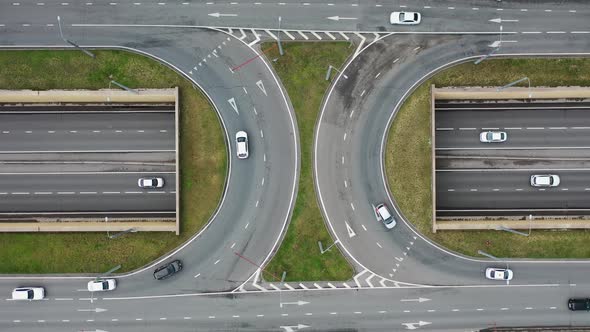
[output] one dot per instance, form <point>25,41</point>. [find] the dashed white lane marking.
<point>450,189</point>
<point>344,137</point>
<point>246,227</point>
<point>352,206</point>
<point>450,7</point>
<point>524,10</point>
<point>236,316</point>
<point>197,275</point>
<point>365,228</point>
<point>342,160</point>
<point>552,308</point>
<point>427,7</point>
<point>20,193</point>
<point>363,93</point>
<point>503,309</point>
<point>496,189</point>
<point>16,321</point>
<point>572,11</point>
<point>455,310</point>
<point>475,8</point>
<point>43,192</point>
<point>345,184</point>
<point>308,314</point>
<point>535,128</point>
<point>490,128</point>
<point>379,245</point>
<point>479,309</point>
<point>217,261</point>
<point>113,192</point>
<point>416,48</point>
<point>262,183</point>
<point>407,311</point>
<point>580,127</point>
<point>396,60</point>
<point>211,317</point>
<point>90,320</point>
<point>555,32</point>
<point>333,313</point>
<point>473,189</point>
<point>64,298</point>
<point>528,308</point>
<point>259,315</point>
<point>531,32</point>
<point>261,134</point>
<point>467,128</point>
<point>431,310</point>
<point>379,74</point>
<point>65,320</point>
<point>564,189</point>
<point>382,312</point>
<point>233,245</point>
<point>257,202</point>
<point>548,10</point>
<point>163,318</point>
<point>519,189</point>
<point>557,128</point>
<point>513,128</point>
<point>580,32</point>
<point>445,129</point>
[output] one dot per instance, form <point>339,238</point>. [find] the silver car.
<point>545,180</point>
<point>493,137</point>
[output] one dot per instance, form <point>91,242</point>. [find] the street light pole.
<point>322,251</point>
<point>90,54</point>
<point>516,82</point>
<point>328,74</point>
<point>279,38</point>
<point>483,253</point>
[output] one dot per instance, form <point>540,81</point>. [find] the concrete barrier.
<point>86,226</point>
<point>491,93</point>
<point>88,96</point>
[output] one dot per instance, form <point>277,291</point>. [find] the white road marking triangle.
<point>232,102</point>
<point>351,232</point>
<point>261,86</point>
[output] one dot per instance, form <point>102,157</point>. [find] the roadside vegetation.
<point>408,159</point>
<point>203,162</point>
<point>302,71</point>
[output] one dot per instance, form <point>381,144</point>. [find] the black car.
<point>578,304</point>
<point>167,270</point>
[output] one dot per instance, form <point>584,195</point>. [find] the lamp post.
<point>483,253</point>
<point>322,251</point>
<point>330,67</point>
<point>516,82</point>
<point>123,87</point>
<point>279,38</point>
<point>90,54</point>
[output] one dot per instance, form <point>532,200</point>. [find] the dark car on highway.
<point>167,270</point>
<point>578,304</point>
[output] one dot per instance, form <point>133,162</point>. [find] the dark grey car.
<point>167,270</point>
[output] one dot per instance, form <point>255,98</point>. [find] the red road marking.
<point>254,58</point>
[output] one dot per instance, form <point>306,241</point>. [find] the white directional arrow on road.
<point>94,310</point>
<point>499,20</point>
<point>261,86</point>
<point>296,303</point>
<point>291,327</point>
<point>219,14</point>
<point>412,326</point>
<point>349,229</point>
<point>338,18</point>
<point>420,299</point>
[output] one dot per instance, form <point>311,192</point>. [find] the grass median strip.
<point>302,71</point>
<point>408,159</point>
<point>203,162</point>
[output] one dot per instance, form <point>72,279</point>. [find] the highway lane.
<point>443,309</point>
<point>511,189</point>
<point>89,132</point>
<point>351,16</point>
<point>74,192</point>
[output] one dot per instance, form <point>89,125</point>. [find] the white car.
<point>405,18</point>
<point>545,180</point>
<point>493,273</point>
<point>242,144</point>
<point>384,216</point>
<point>150,182</point>
<point>493,137</point>
<point>28,293</point>
<point>102,285</point>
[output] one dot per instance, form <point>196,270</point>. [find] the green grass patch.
<point>203,162</point>
<point>302,71</point>
<point>408,158</point>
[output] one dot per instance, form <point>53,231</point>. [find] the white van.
<point>28,293</point>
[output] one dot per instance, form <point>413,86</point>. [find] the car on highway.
<point>383,215</point>
<point>102,285</point>
<point>405,18</point>
<point>493,273</point>
<point>493,137</point>
<point>578,304</point>
<point>242,144</point>
<point>545,180</point>
<point>28,293</point>
<point>167,270</point>
<point>150,182</point>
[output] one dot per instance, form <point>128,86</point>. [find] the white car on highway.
<point>493,137</point>
<point>384,216</point>
<point>102,285</point>
<point>28,293</point>
<point>493,273</point>
<point>242,144</point>
<point>150,182</point>
<point>405,18</point>
<point>545,180</point>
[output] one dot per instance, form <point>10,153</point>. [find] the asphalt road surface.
<point>75,192</point>
<point>348,173</point>
<point>87,132</point>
